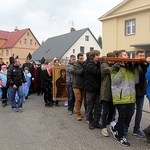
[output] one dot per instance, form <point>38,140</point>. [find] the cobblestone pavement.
<point>41,128</point>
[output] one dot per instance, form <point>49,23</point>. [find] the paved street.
<point>40,128</point>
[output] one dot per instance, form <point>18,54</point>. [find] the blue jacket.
<point>26,87</point>
<point>3,77</point>
<point>148,85</point>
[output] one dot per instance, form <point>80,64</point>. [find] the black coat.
<point>15,76</point>
<point>92,78</point>
<point>46,79</point>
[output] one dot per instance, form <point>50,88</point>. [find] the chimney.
<point>16,28</point>
<point>72,29</point>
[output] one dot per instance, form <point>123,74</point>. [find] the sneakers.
<point>20,109</point>
<point>97,125</point>
<point>91,125</point>
<point>139,133</point>
<point>15,109</point>
<point>109,128</point>
<point>87,120</point>
<point>66,103</point>
<point>78,117</point>
<point>147,135</point>
<point>123,141</point>
<point>114,133</point>
<point>105,132</point>
<point>70,112</point>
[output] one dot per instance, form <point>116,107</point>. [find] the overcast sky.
<point>48,18</point>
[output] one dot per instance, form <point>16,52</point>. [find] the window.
<point>2,52</point>
<point>20,42</point>
<point>73,50</point>
<point>131,54</point>
<point>81,49</point>
<point>7,52</point>
<point>35,43</point>
<point>91,48</point>
<point>130,27</point>
<point>30,41</point>
<point>86,38</point>
<point>25,41</point>
<point>28,34</point>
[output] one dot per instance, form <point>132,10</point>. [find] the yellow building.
<point>17,43</point>
<point>127,26</point>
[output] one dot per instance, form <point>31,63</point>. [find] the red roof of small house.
<point>11,37</point>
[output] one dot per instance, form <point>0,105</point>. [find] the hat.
<point>26,68</point>
<point>17,57</point>
<point>11,60</point>
<point>3,67</point>
<point>42,60</point>
<point>29,57</point>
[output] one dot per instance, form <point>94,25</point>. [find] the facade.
<point>61,47</point>
<point>17,43</point>
<point>127,26</point>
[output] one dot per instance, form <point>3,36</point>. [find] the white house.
<point>65,45</point>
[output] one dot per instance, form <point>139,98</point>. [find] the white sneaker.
<point>66,103</point>
<point>105,132</point>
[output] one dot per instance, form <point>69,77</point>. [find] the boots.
<point>147,133</point>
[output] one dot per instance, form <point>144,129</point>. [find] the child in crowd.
<point>27,75</point>
<point>3,84</point>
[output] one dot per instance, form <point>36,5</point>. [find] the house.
<point>127,26</point>
<point>19,42</point>
<point>62,46</point>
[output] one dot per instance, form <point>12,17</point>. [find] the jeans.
<point>71,97</point>
<point>108,112</point>
<point>125,113</point>
<point>93,107</point>
<point>139,107</point>
<point>12,92</point>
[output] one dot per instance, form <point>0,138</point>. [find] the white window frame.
<point>86,38</point>
<point>130,27</point>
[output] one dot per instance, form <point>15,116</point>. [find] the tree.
<point>100,41</point>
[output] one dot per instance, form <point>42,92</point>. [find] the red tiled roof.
<point>11,37</point>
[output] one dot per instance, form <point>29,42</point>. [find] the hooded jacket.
<point>123,80</point>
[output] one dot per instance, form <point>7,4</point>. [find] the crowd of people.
<point>106,88</point>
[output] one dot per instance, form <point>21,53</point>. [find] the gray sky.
<point>48,18</point>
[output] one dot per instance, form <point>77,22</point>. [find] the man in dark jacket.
<point>140,92</point>
<point>15,78</point>
<point>78,81</point>
<point>92,83</point>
